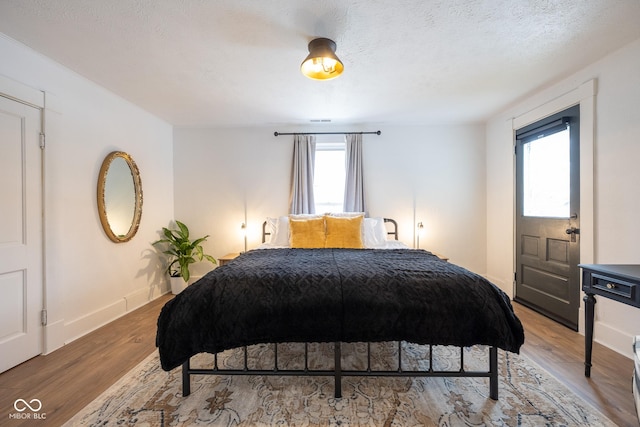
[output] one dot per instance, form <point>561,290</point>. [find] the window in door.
<point>546,176</point>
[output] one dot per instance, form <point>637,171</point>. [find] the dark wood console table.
<point>619,282</point>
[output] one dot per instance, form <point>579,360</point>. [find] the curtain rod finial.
<point>276,133</point>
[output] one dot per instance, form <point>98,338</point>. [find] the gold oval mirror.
<point>119,196</point>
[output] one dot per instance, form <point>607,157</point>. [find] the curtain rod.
<point>326,133</point>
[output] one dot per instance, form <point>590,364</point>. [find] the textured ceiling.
<point>236,62</point>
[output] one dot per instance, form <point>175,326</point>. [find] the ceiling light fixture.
<point>322,62</point>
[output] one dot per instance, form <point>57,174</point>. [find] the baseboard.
<point>614,339</point>
<point>141,297</point>
<point>83,325</point>
<point>500,283</point>
<point>54,336</point>
<point>61,333</point>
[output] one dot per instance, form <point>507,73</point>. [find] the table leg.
<point>589,305</point>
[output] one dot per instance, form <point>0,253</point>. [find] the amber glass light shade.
<point>322,62</point>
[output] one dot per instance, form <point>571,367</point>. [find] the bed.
<point>377,290</point>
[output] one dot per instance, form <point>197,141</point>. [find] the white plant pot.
<point>177,285</point>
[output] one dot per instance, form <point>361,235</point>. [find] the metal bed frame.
<point>337,372</point>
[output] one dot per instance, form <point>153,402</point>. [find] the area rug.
<point>529,396</point>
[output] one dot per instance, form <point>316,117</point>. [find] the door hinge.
<point>43,317</point>
<point>515,276</point>
<point>42,138</point>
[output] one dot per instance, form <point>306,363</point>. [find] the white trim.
<point>585,95</point>
<point>21,93</point>
<point>89,322</point>
<point>34,98</point>
<point>556,105</point>
<point>613,338</point>
<point>64,332</point>
<point>498,282</point>
<point>54,336</point>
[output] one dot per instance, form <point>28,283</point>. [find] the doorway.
<point>548,216</point>
<point>21,241</point>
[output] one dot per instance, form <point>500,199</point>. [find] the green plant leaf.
<point>184,231</point>
<point>184,272</point>
<point>200,240</point>
<point>181,251</point>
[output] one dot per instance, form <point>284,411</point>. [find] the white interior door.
<point>21,275</point>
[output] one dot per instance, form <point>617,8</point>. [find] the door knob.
<point>572,230</point>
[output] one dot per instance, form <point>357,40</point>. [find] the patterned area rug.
<point>529,396</point>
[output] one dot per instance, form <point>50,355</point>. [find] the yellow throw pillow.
<point>308,233</point>
<point>344,232</point>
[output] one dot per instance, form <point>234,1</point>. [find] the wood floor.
<point>560,351</point>
<point>71,377</point>
<point>68,379</point>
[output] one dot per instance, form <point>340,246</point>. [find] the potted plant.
<point>182,252</point>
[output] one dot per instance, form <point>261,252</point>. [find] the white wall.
<point>430,174</point>
<point>225,177</point>
<point>433,174</point>
<point>90,280</point>
<point>615,230</point>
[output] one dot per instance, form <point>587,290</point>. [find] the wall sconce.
<point>243,230</point>
<point>420,229</point>
<point>322,62</point>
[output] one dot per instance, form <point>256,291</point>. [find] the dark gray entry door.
<point>548,216</point>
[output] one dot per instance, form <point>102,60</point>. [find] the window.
<point>329,176</point>
<point>546,176</point>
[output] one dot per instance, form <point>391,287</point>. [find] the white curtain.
<point>354,185</point>
<point>304,155</point>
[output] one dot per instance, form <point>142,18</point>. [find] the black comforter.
<point>328,295</point>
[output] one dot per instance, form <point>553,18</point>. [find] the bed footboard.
<point>338,372</point>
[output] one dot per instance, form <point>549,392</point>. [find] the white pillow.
<point>346,214</point>
<point>305,216</point>
<point>272,226</point>
<point>280,231</point>
<point>375,232</point>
